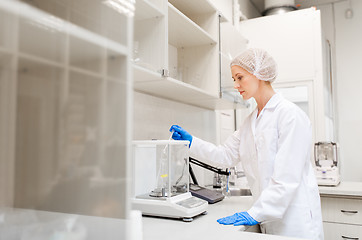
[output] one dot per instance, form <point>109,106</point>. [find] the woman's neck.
<point>264,95</point>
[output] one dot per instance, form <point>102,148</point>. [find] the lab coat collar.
<point>273,101</point>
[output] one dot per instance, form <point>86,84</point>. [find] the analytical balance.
<point>161,180</point>
<point>326,161</point>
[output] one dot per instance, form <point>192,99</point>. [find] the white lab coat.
<point>274,149</point>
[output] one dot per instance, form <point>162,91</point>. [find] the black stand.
<point>209,195</point>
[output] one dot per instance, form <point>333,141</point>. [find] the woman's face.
<point>246,83</point>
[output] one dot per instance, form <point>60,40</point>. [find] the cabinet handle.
<point>351,238</point>
<point>345,211</point>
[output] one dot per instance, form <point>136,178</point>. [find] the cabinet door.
<point>150,40</point>
<point>335,231</point>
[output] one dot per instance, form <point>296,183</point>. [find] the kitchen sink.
<point>239,192</point>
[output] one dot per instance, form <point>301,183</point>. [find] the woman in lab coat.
<point>274,146</point>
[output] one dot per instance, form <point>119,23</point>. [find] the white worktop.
<point>351,189</point>
<point>205,226</point>
<point>17,223</point>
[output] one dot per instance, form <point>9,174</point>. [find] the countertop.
<point>344,189</point>
<point>205,226</point>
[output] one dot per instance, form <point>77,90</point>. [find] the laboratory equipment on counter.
<point>326,163</point>
<point>161,180</point>
<point>209,195</point>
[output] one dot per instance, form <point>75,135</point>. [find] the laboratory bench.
<point>342,210</point>
<point>205,226</point>
<point>344,189</point>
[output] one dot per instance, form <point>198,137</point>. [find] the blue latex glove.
<point>180,134</point>
<point>241,218</point>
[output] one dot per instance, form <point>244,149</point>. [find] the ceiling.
<point>259,4</point>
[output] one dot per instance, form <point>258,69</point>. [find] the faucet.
<point>217,182</point>
<point>235,174</point>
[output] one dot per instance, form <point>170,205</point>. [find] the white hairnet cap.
<point>257,62</point>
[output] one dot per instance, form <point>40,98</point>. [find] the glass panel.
<point>49,42</point>
<point>7,23</point>
<point>65,131</point>
<point>96,16</point>
<point>297,95</point>
<point>114,166</point>
<point>99,18</point>
<point>37,132</point>
<point>232,43</point>
<point>82,120</point>
<point>160,169</point>
<point>86,55</point>
<point>116,66</point>
<point>5,78</point>
<point>6,123</point>
<point>148,46</point>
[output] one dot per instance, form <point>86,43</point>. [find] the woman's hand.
<point>241,218</point>
<point>180,134</point>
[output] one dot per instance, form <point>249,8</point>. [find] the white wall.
<point>349,86</point>
<point>346,37</point>
<point>154,116</point>
<point>248,9</point>
<point>226,7</point>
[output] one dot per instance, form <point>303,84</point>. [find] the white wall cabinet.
<point>342,218</point>
<point>295,41</point>
<point>65,119</point>
<point>177,52</point>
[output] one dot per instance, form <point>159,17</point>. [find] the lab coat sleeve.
<point>226,155</point>
<point>292,158</point>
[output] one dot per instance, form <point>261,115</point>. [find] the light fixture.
<point>122,6</point>
<point>349,12</point>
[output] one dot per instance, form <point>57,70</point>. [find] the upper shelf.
<point>146,10</point>
<point>194,7</point>
<point>223,18</point>
<point>185,33</point>
<point>141,74</point>
<point>50,23</point>
<point>176,90</point>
